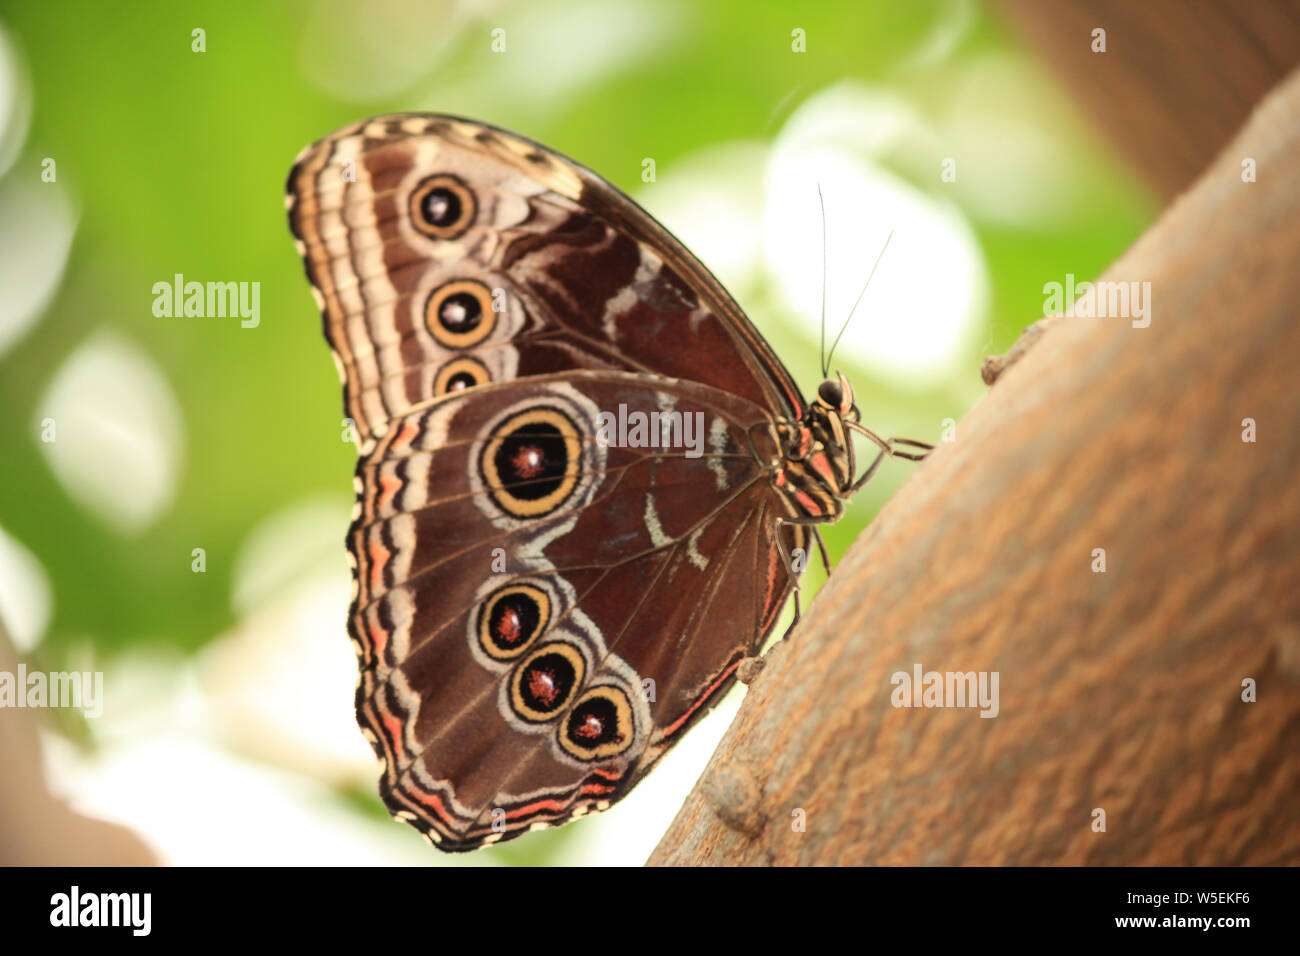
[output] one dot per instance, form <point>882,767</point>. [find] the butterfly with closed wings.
<point>540,613</point>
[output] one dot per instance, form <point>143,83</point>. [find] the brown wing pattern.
<point>657,568</point>
<point>538,614</point>
<point>563,270</point>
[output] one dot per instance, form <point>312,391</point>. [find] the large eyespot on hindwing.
<point>459,314</point>
<point>599,726</point>
<point>460,374</point>
<point>510,618</point>
<point>536,458</point>
<point>532,461</point>
<point>544,682</point>
<point>442,207</point>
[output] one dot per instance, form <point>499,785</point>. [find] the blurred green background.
<point>173,161</point>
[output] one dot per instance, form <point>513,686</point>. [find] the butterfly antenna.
<point>826,367</point>
<point>821,349</point>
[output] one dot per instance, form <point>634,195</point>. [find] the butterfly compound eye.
<point>442,207</point>
<point>830,392</point>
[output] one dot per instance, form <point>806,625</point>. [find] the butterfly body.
<point>539,613</point>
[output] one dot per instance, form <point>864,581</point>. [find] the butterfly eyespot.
<point>599,726</point>
<point>545,681</point>
<point>460,374</point>
<point>459,314</point>
<point>532,462</point>
<point>442,207</point>
<point>510,618</point>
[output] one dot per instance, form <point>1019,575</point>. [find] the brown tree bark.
<point>1177,78</point>
<point>1120,690</point>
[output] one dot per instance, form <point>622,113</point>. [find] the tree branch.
<point>1153,91</point>
<point>1119,690</point>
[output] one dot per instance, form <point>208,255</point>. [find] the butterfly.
<point>544,603</point>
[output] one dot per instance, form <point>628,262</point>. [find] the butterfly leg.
<point>794,575</point>
<point>867,433</point>
<point>826,563</point>
<point>821,547</point>
<point>925,447</point>
<point>866,475</point>
<point>887,445</point>
<point>797,614</point>
<point>887,448</point>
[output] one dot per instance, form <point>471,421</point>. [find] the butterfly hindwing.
<point>532,640</point>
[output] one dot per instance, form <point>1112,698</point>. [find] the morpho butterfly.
<point>544,600</point>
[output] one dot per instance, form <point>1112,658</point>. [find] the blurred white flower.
<point>1013,169</point>
<point>25,600</point>
<point>197,806</point>
<point>952,22</point>
<point>37,223</point>
<point>279,685</point>
<point>364,52</point>
<point>118,432</point>
<point>553,52</point>
<point>15,101</point>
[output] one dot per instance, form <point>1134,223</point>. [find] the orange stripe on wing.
<point>391,725</point>
<point>433,803</point>
<point>676,725</point>
<point>550,803</point>
<point>402,441</point>
<point>379,555</point>
<point>771,608</point>
<point>389,486</point>
<point>378,636</point>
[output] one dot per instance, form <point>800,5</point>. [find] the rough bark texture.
<point>1178,77</point>
<point>1119,690</point>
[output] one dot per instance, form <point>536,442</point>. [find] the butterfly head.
<point>835,396</point>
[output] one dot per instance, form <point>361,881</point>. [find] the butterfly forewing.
<point>539,267</point>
